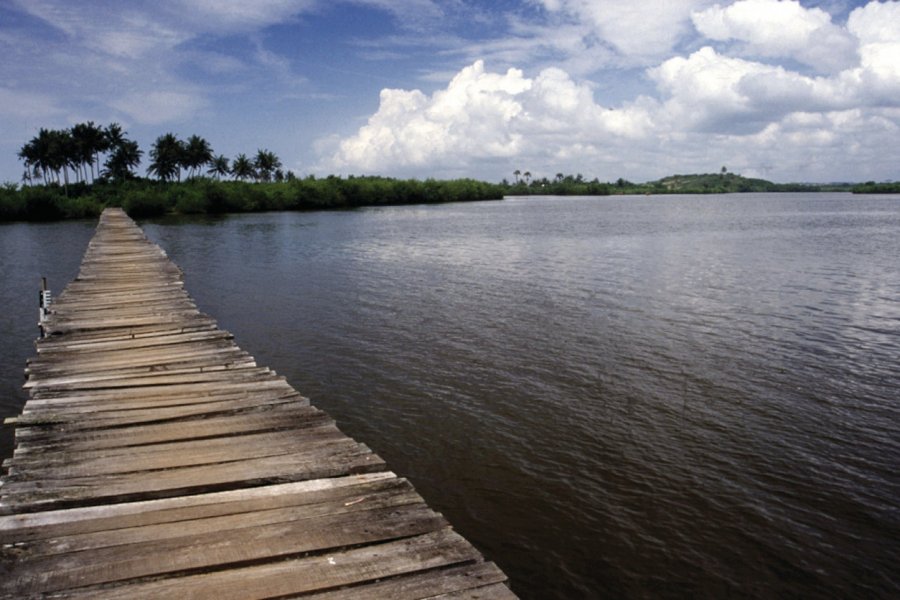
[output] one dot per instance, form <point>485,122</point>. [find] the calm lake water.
<point>611,397</point>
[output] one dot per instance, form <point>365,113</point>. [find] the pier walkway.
<point>156,459</point>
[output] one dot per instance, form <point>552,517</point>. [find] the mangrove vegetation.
<point>77,172</point>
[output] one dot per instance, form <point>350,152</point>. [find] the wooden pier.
<point>156,459</point>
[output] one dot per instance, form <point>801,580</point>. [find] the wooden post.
<point>43,305</point>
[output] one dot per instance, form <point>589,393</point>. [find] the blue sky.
<point>789,91</point>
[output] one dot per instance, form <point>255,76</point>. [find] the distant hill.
<point>870,187</point>
<point>716,183</point>
<point>721,183</point>
<point>703,183</point>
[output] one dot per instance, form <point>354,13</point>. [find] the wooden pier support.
<point>155,459</point>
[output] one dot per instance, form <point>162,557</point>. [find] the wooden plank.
<point>471,581</point>
<point>110,517</point>
<point>123,415</point>
<point>203,550</point>
<point>333,460</point>
<point>158,379</point>
<point>159,393</point>
<point>268,418</point>
<point>62,351</point>
<point>322,571</point>
<point>135,540</point>
<point>178,454</point>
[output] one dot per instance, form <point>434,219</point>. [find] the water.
<point>624,397</point>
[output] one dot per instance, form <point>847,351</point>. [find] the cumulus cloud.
<point>710,102</point>
<point>708,91</point>
<point>780,28</point>
<point>877,26</point>
<point>487,116</point>
<point>876,22</point>
<point>472,117</point>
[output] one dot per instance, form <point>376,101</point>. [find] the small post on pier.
<point>44,305</point>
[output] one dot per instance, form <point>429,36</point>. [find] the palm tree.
<point>219,167</point>
<point>95,136</point>
<point>242,168</point>
<point>517,173</point>
<point>49,148</point>
<point>29,155</point>
<point>113,135</point>
<point>125,157</point>
<point>82,152</point>
<point>197,152</point>
<point>527,176</point>
<point>57,153</point>
<point>89,140</point>
<point>266,163</point>
<point>167,157</point>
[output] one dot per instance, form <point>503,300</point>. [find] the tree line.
<point>170,156</point>
<point>142,197</point>
<point>69,155</point>
<point>560,185</point>
<point>86,152</point>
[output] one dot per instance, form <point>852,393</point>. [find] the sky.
<point>785,90</point>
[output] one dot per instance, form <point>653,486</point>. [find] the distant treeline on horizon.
<point>76,172</point>
<point>148,198</point>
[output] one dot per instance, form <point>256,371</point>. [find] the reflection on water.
<point>634,397</point>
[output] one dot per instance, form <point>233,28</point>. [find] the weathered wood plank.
<point>318,572</point>
<point>471,581</point>
<point>110,517</point>
<point>327,460</point>
<point>203,550</point>
<point>267,418</point>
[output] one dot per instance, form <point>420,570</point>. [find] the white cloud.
<point>843,145</point>
<point>877,26</point>
<point>709,91</point>
<point>703,88</point>
<point>634,29</point>
<point>780,28</point>
<point>709,107</point>
<point>876,22</point>
<point>483,116</point>
<point>470,118</point>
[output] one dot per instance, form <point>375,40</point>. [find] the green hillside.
<point>715,183</point>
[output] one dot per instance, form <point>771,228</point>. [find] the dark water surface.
<point>611,397</point>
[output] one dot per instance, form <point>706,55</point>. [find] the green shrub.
<point>82,208</point>
<point>42,204</point>
<point>12,203</point>
<point>148,202</point>
<point>188,200</point>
